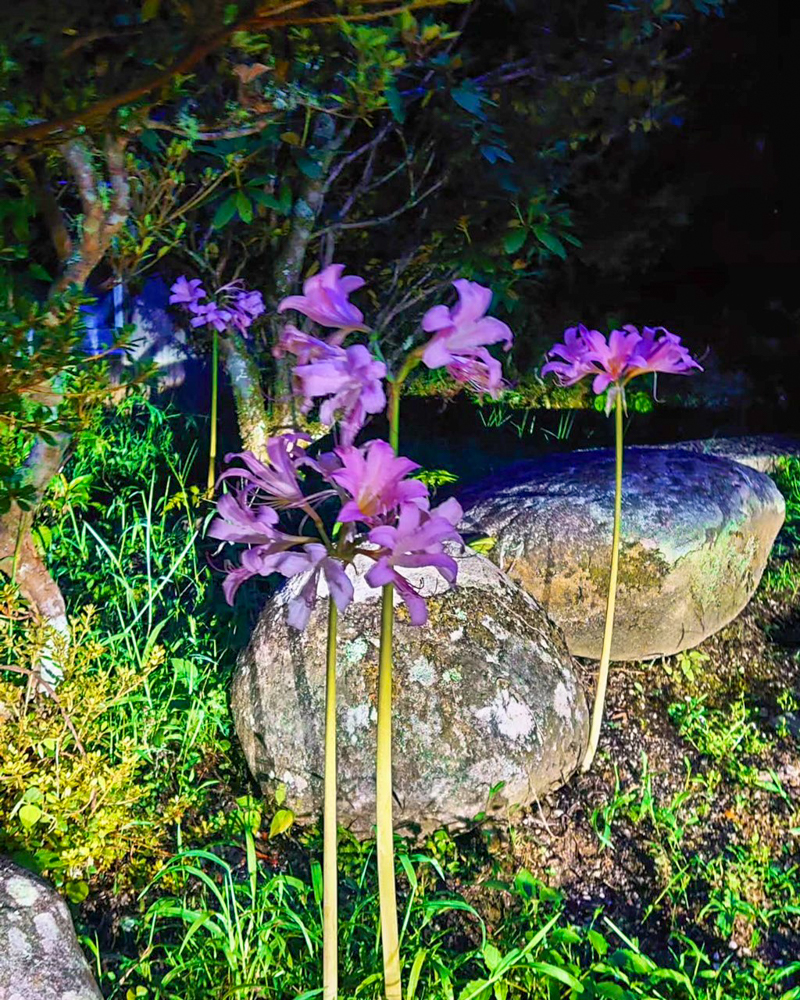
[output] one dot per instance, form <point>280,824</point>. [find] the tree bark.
<point>251,413</point>
<point>18,555</point>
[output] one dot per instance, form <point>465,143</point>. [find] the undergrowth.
<point>129,792</point>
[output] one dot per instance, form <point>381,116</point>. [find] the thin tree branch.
<point>369,223</point>
<point>261,20</point>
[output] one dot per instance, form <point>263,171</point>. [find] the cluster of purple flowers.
<point>384,514</point>
<point>233,306</point>
<point>349,379</point>
<point>626,354</point>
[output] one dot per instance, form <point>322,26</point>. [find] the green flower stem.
<point>605,655</point>
<point>212,447</point>
<point>383,763</point>
<point>383,803</point>
<point>330,931</point>
<point>395,390</point>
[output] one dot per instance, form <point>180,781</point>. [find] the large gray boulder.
<point>762,452</point>
<point>696,534</point>
<point>485,693</point>
<point>39,954</point>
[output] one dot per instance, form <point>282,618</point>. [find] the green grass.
<point>783,572</point>
<point>154,827</point>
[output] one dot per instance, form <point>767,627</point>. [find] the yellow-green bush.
<point>72,791</point>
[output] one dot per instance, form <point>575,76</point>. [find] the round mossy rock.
<point>696,534</point>
<point>485,695</point>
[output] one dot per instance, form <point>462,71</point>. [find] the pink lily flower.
<point>307,348</point>
<point>375,479</point>
<point>625,354</point>
<point>325,299</point>
<point>256,525</point>
<point>277,479</point>
<point>662,354</point>
<point>352,383</point>
<point>315,561</point>
<point>415,541</point>
<point>461,335</point>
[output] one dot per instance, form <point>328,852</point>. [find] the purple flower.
<point>375,479</point>
<point>233,305</point>
<point>325,299</point>
<point>461,335</point>
<point>307,348</point>
<point>187,293</point>
<point>352,383</point>
<point>314,560</point>
<point>480,371</point>
<point>240,521</point>
<point>214,314</point>
<point>662,354</point>
<point>277,479</point>
<point>250,303</point>
<point>625,354</point>
<point>415,541</point>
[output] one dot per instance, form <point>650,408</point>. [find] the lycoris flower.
<point>325,299</point>
<point>276,481</point>
<point>352,382</point>
<point>375,479</point>
<point>234,306</point>
<point>415,541</point>
<point>256,525</point>
<point>461,335</point>
<point>662,354</point>
<point>315,561</point>
<point>307,348</point>
<point>615,361</point>
<point>185,292</point>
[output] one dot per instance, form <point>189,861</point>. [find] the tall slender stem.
<point>330,904</point>
<point>383,763</point>
<point>212,447</point>
<point>605,655</point>
<point>383,803</point>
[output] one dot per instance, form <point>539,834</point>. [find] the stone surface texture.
<point>696,534</point>
<point>761,452</point>
<point>40,958</point>
<point>485,693</point>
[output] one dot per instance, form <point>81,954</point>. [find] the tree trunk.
<point>18,556</point>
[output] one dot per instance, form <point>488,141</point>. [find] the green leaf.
<point>514,240</point>
<point>150,9</point>
<point>39,272</point>
<point>491,956</point>
<point>469,99</point>
<point>598,942</point>
<point>551,241</point>
<point>483,545</point>
<point>310,168</point>
<point>225,212</point>
<point>77,891</point>
<point>395,101</point>
<point>29,815</point>
<point>244,206</point>
<point>474,989</point>
<point>280,794</point>
<point>281,822</point>
<point>556,972</point>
